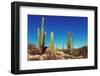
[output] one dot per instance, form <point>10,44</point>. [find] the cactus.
<point>52,40</point>
<point>52,44</point>
<point>41,35</point>
<point>44,39</point>
<point>39,38</point>
<point>70,44</point>
<point>43,22</point>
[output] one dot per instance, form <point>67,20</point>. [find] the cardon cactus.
<point>39,38</point>
<point>41,35</point>
<point>52,44</point>
<point>44,39</point>
<point>70,44</point>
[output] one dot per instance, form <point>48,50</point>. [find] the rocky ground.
<point>37,54</point>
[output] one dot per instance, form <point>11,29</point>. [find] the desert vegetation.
<point>42,52</point>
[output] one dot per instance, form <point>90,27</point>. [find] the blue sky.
<point>60,25</point>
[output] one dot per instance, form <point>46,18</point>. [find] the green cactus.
<point>41,35</point>
<point>52,40</point>
<point>44,39</point>
<point>70,41</point>
<point>52,44</point>
<point>39,38</point>
<point>43,21</point>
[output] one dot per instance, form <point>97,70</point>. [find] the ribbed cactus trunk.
<point>42,36</point>
<point>70,44</point>
<point>44,39</point>
<point>52,44</point>
<point>39,38</point>
<point>42,33</point>
<point>52,40</point>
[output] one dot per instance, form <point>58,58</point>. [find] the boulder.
<point>59,57</point>
<point>34,51</point>
<point>34,57</point>
<point>44,57</point>
<point>48,51</point>
<point>60,53</point>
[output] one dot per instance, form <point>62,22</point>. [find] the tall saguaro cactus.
<point>41,35</point>
<point>52,40</point>
<point>44,39</point>
<point>70,44</point>
<point>39,38</point>
<point>52,44</point>
<point>43,22</point>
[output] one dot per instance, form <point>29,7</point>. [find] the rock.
<point>59,57</point>
<point>79,57</point>
<point>34,57</point>
<point>60,53</point>
<point>48,51</point>
<point>77,53</point>
<point>66,56</point>
<point>44,49</point>
<point>44,57</point>
<point>34,51</point>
